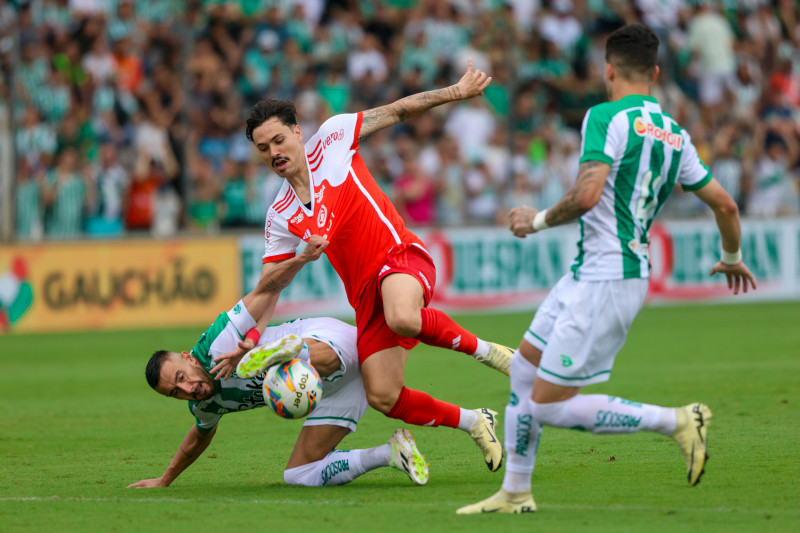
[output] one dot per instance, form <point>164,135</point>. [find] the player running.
<point>632,155</point>
<point>330,345</point>
<point>388,275</point>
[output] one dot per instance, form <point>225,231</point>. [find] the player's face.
<point>280,146</point>
<point>183,377</point>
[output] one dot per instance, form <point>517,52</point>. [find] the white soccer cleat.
<point>257,360</point>
<point>499,357</point>
<point>691,432</point>
<point>406,457</point>
<point>504,503</point>
<point>484,435</point>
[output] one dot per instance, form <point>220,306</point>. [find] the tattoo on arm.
<point>276,285</point>
<point>591,174</point>
<point>382,117</point>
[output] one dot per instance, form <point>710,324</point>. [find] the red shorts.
<point>374,334</point>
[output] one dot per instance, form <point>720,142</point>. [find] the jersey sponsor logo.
<point>298,218</point>
<point>648,129</point>
<point>306,235</point>
<point>322,217</point>
<point>319,194</point>
<point>270,216</point>
<point>335,136</point>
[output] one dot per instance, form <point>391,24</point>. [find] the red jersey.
<point>348,209</point>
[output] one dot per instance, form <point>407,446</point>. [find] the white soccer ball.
<point>292,389</point>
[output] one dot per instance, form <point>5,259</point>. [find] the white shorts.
<point>344,400</point>
<point>581,326</point>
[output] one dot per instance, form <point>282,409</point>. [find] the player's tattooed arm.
<point>405,108</point>
<point>472,83</point>
<point>583,195</point>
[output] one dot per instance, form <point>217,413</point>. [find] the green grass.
<point>80,423</point>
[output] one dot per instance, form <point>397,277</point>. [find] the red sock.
<point>421,409</point>
<point>440,330</point>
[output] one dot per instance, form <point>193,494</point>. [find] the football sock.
<point>438,329</point>
<point>338,467</point>
<point>466,419</point>
<point>600,413</point>
<point>521,432</point>
<point>421,409</point>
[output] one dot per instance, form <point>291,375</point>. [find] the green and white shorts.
<point>344,400</point>
<point>581,326</point>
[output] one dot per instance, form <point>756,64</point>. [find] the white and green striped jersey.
<point>649,153</point>
<point>239,394</point>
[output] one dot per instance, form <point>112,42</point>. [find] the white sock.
<point>482,350</point>
<point>521,431</point>
<point>599,413</point>
<point>338,467</point>
<point>467,419</point>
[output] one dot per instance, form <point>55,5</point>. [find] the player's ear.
<point>188,357</point>
<point>298,132</point>
<point>656,71</point>
<point>610,72</point>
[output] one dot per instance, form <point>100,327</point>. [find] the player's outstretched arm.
<point>261,301</point>
<point>192,447</point>
<point>583,196</point>
<point>726,213</point>
<point>471,84</point>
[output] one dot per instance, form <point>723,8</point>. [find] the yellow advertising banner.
<point>117,284</point>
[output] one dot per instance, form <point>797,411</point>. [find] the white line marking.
<point>648,508</point>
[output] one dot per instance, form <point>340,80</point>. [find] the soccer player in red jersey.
<point>330,198</point>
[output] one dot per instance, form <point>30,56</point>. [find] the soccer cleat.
<point>260,358</point>
<point>503,502</point>
<point>693,421</point>
<point>499,357</point>
<point>406,457</point>
<point>485,437</point>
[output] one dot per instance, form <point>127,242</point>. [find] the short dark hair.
<point>153,370</point>
<point>633,50</point>
<point>269,107</point>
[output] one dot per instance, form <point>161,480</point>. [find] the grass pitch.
<point>80,424</point>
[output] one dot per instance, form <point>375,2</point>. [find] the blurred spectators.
<point>129,113</point>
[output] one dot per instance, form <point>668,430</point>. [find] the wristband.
<point>732,258</point>
<point>538,221</point>
<point>254,335</point>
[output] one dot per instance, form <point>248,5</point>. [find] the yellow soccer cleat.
<point>484,435</point>
<point>257,360</point>
<point>504,503</point>
<point>693,421</point>
<point>499,357</point>
<point>406,456</point>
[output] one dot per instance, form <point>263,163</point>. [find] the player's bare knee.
<point>322,357</point>
<point>382,401</point>
<point>405,322</point>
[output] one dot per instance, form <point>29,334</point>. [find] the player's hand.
<point>148,483</point>
<point>473,82</point>
<point>521,221</point>
<point>314,248</point>
<point>226,363</point>
<point>738,275</point>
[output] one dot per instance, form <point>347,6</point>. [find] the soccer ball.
<point>292,389</point>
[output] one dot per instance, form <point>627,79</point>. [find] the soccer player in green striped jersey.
<point>633,154</point>
<point>330,345</point>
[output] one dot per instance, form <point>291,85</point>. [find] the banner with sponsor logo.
<point>117,285</point>
<point>487,269</point>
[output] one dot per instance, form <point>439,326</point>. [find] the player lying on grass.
<point>329,344</point>
<point>387,273</point>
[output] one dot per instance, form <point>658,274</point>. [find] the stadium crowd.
<point>129,114</point>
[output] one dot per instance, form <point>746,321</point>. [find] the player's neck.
<point>625,88</point>
<point>300,184</point>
